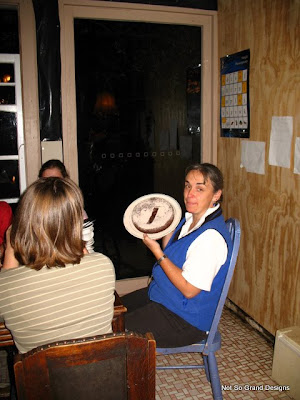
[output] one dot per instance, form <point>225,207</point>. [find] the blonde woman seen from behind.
<point>57,292</point>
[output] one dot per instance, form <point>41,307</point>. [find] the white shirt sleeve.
<point>205,256</point>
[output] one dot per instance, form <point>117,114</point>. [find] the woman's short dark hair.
<point>50,164</point>
<point>47,227</point>
<point>208,171</point>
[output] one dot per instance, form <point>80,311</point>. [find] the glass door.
<point>138,123</point>
<point>120,147</point>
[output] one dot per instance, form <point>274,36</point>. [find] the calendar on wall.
<point>234,95</point>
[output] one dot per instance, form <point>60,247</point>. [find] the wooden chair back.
<point>109,367</point>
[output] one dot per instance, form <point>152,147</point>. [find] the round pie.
<point>152,215</point>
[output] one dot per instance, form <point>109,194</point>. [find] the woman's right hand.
<point>153,245</point>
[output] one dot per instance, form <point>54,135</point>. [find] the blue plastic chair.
<point>212,343</point>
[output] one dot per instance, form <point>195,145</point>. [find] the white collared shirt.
<point>206,254</point>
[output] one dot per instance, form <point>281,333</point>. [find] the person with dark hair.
<point>53,168</point>
<point>192,263</point>
<point>57,292</point>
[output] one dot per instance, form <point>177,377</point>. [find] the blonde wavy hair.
<point>47,227</point>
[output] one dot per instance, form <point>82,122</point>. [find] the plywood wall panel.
<point>266,284</point>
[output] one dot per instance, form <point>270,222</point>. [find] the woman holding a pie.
<point>192,262</point>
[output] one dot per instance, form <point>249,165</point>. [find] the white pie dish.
<point>128,222</point>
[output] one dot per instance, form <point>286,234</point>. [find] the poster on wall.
<point>234,95</point>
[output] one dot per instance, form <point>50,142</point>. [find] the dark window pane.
<point>8,134</point>
<point>7,73</point>
<point>9,179</point>
<point>7,95</point>
<point>9,35</point>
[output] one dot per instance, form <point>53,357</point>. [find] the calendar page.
<point>234,95</point>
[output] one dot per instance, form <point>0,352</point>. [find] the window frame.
<point>16,108</point>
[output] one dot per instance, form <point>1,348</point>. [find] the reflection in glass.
<point>8,134</point>
<point>193,99</point>
<point>7,95</point>
<point>7,73</point>
<point>9,179</point>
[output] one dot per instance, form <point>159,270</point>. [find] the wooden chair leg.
<point>214,377</point>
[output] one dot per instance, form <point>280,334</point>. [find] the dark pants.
<point>168,329</point>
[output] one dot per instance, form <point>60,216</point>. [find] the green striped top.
<point>59,303</point>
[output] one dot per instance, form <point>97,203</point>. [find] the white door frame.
<point>90,9</point>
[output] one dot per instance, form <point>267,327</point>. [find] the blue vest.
<point>199,310</point>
